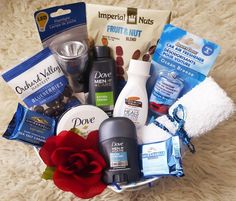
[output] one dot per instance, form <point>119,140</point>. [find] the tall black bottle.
<point>102,80</point>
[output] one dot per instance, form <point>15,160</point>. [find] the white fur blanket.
<point>210,173</point>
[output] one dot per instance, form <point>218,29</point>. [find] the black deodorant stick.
<point>118,144</point>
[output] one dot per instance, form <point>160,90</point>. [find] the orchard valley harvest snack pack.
<point>131,33</point>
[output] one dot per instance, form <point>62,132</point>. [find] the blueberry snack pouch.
<point>30,127</point>
<point>41,84</point>
<point>180,62</point>
<point>63,29</point>
<point>131,33</point>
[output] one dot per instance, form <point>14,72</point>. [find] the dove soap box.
<point>189,56</point>
<point>82,119</point>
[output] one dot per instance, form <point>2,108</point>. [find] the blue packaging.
<point>41,84</point>
<point>65,23</point>
<point>30,127</point>
<point>161,158</point>
<point>37,80</point>
<point>165,92</point>
<point>64,30</point>
<point>186,55</point>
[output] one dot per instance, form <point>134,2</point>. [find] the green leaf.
<point>48,173</point>
<point>76,130</point>
<point>79,132</point>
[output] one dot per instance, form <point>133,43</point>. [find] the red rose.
<point>77,161</point>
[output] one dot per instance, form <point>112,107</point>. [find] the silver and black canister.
<point>118,144</point>
<point>72,56</point>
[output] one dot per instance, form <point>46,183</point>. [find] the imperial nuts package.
<point>131,33</point>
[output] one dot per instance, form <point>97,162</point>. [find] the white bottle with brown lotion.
<point>133,101</point>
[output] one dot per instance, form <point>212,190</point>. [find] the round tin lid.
<point>82,119</point>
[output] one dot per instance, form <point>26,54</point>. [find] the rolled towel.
<point>205,107</point>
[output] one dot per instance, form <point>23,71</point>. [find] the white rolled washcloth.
<point>205,106</point>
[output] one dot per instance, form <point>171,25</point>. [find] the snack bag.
<point>63,29</point>
<point>131,33</point>
<point>41,84</point>
<point>30,127</point>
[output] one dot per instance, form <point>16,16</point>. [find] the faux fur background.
<point>210,173</point>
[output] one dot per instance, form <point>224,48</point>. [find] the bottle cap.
<point>111,128</point>
<point>101,52</point>
<point>139,67</point>
<point>173,74</point>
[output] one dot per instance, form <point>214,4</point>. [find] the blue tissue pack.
<point>161,158</point>
<point>30,127</point>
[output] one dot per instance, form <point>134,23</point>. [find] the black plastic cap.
<point>117,127</point>
<point>101,52</point>
<point>121,176</point>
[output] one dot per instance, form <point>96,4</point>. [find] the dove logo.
<point>78,121</point>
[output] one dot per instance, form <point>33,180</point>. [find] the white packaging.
<point>133,101</point>
<point>82,119</point>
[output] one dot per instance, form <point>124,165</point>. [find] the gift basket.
<point>114,97</point>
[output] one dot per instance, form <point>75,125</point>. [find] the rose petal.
<point>80,189</point>
<point>85,177</point>
<point>74,164</point>
<point>71,139</point>
<point>79,166</point>
<point>79,156</point>
<point>49,146</point>
<point>66,169</point>
<point>93,155</point>
<point>60,155</point>
<point>91,191</point>
<point>47,149</point>
<point>93,139</point>
<point>67,139</point>
<point>95,167</point>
